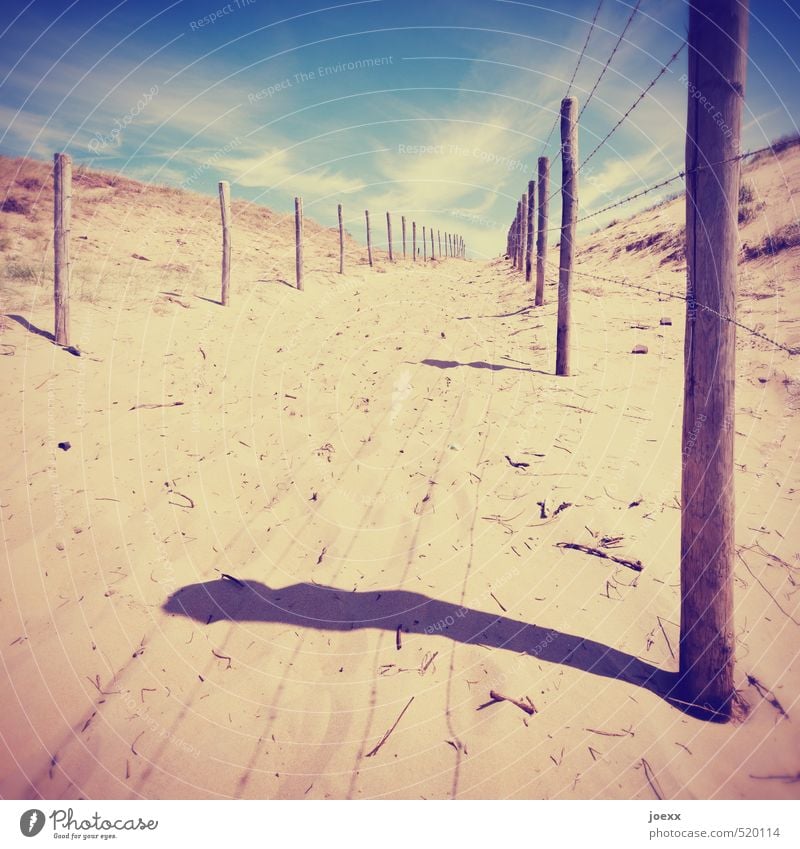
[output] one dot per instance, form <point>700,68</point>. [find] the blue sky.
<point>437,109</point>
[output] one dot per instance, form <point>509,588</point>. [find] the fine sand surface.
<point>385,464</point>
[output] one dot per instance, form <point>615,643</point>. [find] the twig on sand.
<point>636,565</point>
<point>427,660</point>
<point>136,740</point>
<point>222,657</point>
<point>388,733</point>
<point>189,502</point>
<point>763,587</point>
<point>651,779</point>
<point>225,576</point>
<point>767,694</point>
<point>499,604</point>
<point>528,706</point>
<point>786,779</point>
<point>502,521</point>
<point>669,646</point>
<point>155,406</point>
<point>517,464</point>
<point>96,683</point>
<point>623,733</point>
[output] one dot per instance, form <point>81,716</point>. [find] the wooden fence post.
<point>369,237</point>
<point>62,215</point>
<point>515,259</point>
<point>341,241</point>
<point>439,240</point>
<point>433,251</point>
<point>298,242</point>
<point>529,231</point>
<point>389,235</point>
<point>225,209</point>
<point>523,230</point>
<point>403,219</point>
<point>414,241</point>
<point>717,68</point>
<point>569,217</point>
<point>424,245</point>
<point>541,235</point>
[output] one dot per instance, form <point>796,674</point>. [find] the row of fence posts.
<point>526,223</point>
<point>454,245</point>
<point>717,61</point>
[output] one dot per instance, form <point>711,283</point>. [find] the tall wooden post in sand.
<point>424,244</point>
<point>439,240</point>
<point>433,251</point>
<point>62,215</point>
<point>414,241</point>
<point>517,236</point>
<point>389,235</point>
<point>403,220</point>
<point>225,209</point>
<point>529,228</point>
<point>369,238</point>
<point>523,230</point>
<point>569,218</point>
<point>717,67</point>
<point>341,241</point>
<point>543,180</point>
<point>515,239</point>
<point>298,242</point>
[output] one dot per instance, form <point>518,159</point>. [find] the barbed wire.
<point>610,58</point>
<point>630,109</point>
<point>630,284</point>
<point>636,102</point>
<point>575,72</point>
<point>660,185</point>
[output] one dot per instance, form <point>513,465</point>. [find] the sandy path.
<point>356,437</point>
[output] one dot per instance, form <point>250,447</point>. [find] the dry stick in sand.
<point>155,406</point>
<point>652,780</point>
<point>631,564</point>
<point>767,694</point>
<point>388,733</point>
<point>786,779</point>
<point>528,706</point>
<point>227,577</point>
<point>225,209</point>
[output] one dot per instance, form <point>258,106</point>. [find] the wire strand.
<point>575,71</point>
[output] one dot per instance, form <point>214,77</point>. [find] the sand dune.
<point>281,526</point>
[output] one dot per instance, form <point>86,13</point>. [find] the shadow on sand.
<point>330,609</point>
<point>444,364</point>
